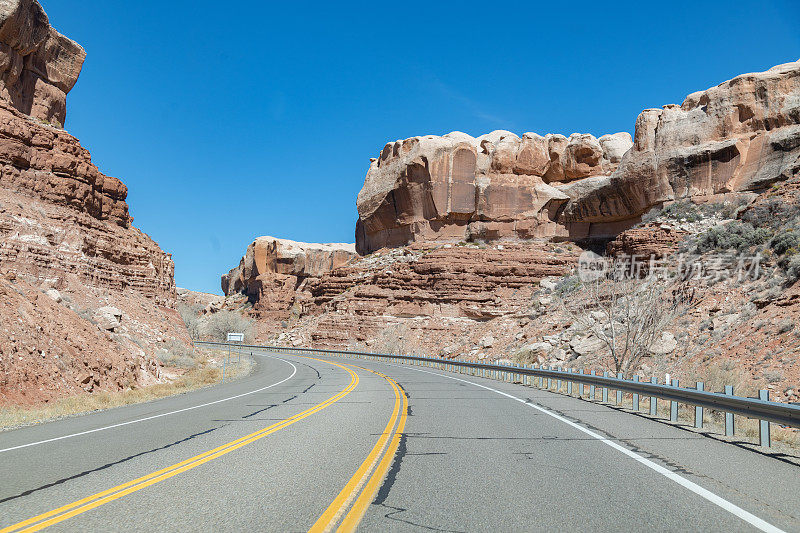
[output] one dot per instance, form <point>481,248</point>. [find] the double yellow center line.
<point>361,489</point>
<point>81,506</point>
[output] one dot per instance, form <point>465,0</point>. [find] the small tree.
<point>628,313</point>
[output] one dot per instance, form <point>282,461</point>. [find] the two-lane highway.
<point>320,443</point>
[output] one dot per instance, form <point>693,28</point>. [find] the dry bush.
<point>628,313</point>
<point>219,324</point>
<point>192,319</point>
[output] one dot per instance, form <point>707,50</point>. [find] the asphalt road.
<point>307,443</point>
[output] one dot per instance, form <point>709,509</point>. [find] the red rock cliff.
<point>91,238</point>
<point>742,135</point>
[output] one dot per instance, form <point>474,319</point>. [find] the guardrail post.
<point>673,406</point>
<point>549,379</point>
<point>605,389</point>
<point>653,400</point>
<point>729,429</point>
<point>592,391</point>
<point>635,402</point>
<point>569,383</point>
<point>619,392</point>
<point>698,411</point>
<point>763,425</point>
<point>558,381</point>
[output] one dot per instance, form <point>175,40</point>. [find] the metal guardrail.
<point>757,408</point>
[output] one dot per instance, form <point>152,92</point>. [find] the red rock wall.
<point>742,135</point>
<point>38,65</point>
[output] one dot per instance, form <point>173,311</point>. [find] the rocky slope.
<point>65,227</point>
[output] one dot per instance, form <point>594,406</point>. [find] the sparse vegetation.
<point>177,355</point>
<point>628,314</point>
<point>218,325</point>
<point>737,235</point>
<point>192,319</point>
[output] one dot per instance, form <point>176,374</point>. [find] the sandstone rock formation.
<point>80,224</point>
<point>71,262</point>
<point>742,135</point>
<point>458,187</point>
<point>273,270</point>
<point>38,65</point>
<point>642,243</point>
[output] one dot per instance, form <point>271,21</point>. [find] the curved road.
<point>314,444</point>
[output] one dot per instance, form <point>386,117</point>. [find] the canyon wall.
<point>91,238</point>
<point>89,297</point>
<point>742,135</point>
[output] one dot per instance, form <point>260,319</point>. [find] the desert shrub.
<point>785,326</point>
<point>567,284</point>
<point>734,235</point>
<point>793,269</point>
<point>785,241</point>
<point>191,317</point>
<point>716,375</point>
<point>169,358</point>
<point>176,354</point>
<point>219,324</point>
<point>771,214</point>
<point>691,212</point>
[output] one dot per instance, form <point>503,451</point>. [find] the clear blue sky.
<point>229,121</point>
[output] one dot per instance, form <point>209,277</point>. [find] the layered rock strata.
<point>451,283</point>
<point>273,271</point>
<point>66,218</point>
<point>68,250</point>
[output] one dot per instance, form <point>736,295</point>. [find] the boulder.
<point>54,295</point>
<point>108,318</point>
<point>587,345</point>
<point>666,344</point>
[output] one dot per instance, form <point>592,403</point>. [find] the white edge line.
<point>694,487</point>
<point>294,371</point>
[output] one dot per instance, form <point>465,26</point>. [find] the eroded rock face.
<point>645,242</point>
<point>459,187</point>
<point>71,263</point>
<point>742,135</point>
<point>50,164</point>
<point>62,216</point>
<point>272,271</point>
<point>38,65</point>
